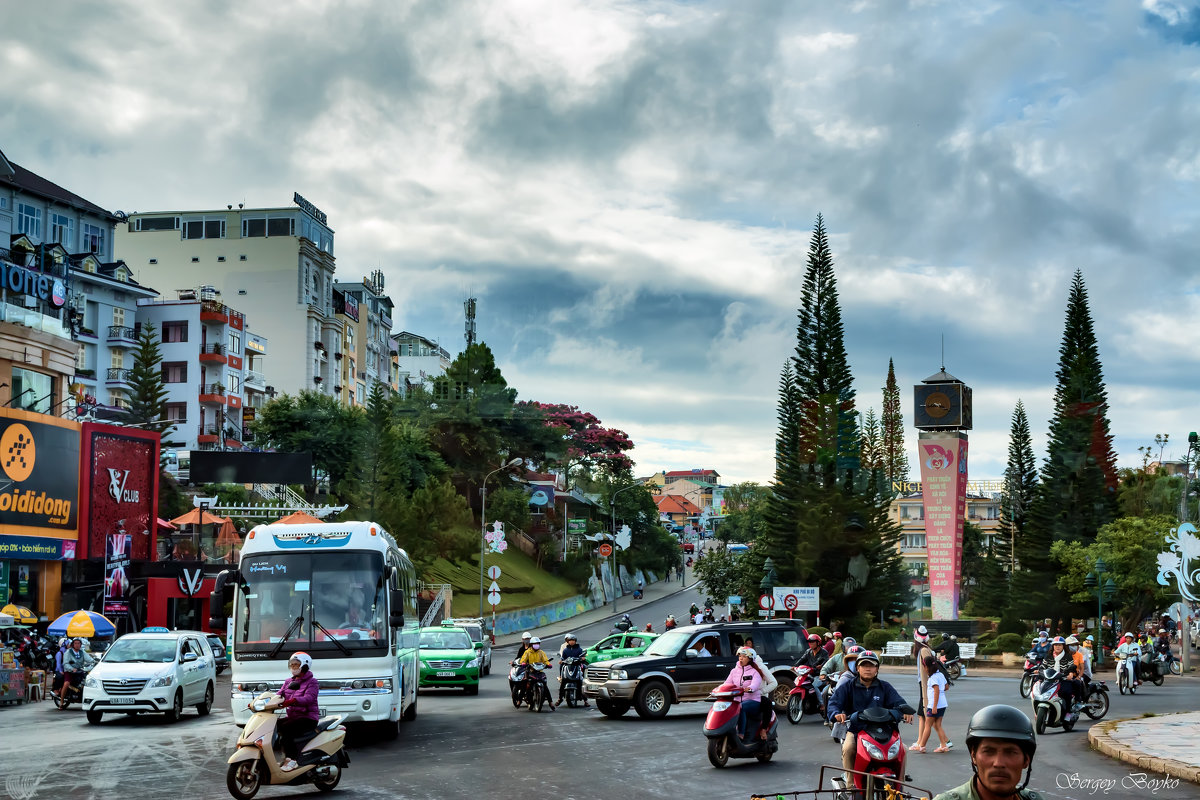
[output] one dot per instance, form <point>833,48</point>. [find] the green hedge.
<point>1006,643</point>
<point>818,630</point>
<point>877,638</point>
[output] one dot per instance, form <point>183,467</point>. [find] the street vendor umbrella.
<point>20,614</point>
<point>194,517</point>
<point>81,623</point>
<point>298,518</point>
<point>228,535</point>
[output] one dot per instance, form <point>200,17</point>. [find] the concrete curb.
<point>1101,738</point>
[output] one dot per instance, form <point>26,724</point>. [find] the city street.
<point>461,746</point>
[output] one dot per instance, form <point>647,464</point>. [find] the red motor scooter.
<point>720,727</point>
<point>879,754</point>
<point>803,699</point>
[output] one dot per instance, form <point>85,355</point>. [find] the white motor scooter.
<point>1126,681</point>
<point>258,759</point>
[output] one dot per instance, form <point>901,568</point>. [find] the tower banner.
<point>944,496</point>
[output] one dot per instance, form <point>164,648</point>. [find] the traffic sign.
<point>493,572</point>
<point>494,598</point>
<point>495,587</point>
<point>791,602</point>
<point>605,550</point>
<point>766,602</point>
<point>765,613</point>
<point>808,598</point>
<point>734,600</point>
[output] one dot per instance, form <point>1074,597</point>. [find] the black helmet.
<point>1002,722</point>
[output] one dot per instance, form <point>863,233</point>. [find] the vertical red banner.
<point>943,493</point>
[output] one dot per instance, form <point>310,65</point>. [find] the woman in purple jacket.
<point>300,699</point>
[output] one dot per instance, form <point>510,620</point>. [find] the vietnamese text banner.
<point>944,478</point>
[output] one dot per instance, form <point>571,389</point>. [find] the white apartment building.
<point>203,367</point>
<point>279,262</point>
<point>420,359</point>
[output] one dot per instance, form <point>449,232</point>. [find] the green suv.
<point>619,645</point>
<point>449,658</point>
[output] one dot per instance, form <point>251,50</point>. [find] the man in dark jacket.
<point>570,649</point>
<point>865,691</point>
<point>815,656</point>
<point>948,648</point>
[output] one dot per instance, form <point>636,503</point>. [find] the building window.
<point>254,227</point>
<point>281,227</point>
<point>173,332</point>
<point>174,372</point>
<point>176,412</point>
<point>31,391</point>
<point>29,221</point>
<point>157,224</point>
<point>360,393</point>
<point>117,359</point>
<point>204,229</point>
<point>89,266</point>
<point>235,344</point>
<point>80,359</point>
<point>62,230</point>
<point>118,399</point>
<point>233,384</point>
<point>93,239</point>
<point>913,541</point>
<point>119,316</point>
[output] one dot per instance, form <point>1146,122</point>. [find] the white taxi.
<point>152,672</point>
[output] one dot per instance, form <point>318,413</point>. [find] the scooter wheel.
<point>1097,705</point>
<point>1026,685</point>
<point>328,784</point>
<point>1042,714</point>
<point>1121,683</point>
<point>1176,668</point>
<point>244,778</point>
<point>795,709</point>
<point>718,751</point>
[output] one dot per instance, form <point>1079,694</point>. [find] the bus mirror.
<point>216,600</point>
<point>396,598</point>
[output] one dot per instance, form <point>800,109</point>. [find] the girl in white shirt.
<point>936,692</point>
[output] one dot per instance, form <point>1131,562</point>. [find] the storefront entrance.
<point>183,613</point>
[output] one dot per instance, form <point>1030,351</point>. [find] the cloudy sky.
<point>628,188</point>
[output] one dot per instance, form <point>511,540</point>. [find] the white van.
<point>152,672</point>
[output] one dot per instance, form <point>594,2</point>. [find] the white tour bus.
<point>342,592</point>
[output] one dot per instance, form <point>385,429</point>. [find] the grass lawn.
<point>522,584</point>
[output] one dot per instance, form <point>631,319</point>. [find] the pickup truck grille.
<point>123,687</point>
<point>597,675</point>
<point>445,664</point>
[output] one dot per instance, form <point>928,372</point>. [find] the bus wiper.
<point>295,626</point>
<point>330,637</point>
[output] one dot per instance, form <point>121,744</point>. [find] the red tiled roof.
<point>675,504</point>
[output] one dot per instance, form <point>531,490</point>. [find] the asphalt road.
<point>468,747</point>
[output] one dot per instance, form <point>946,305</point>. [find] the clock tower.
<point>942,414</point>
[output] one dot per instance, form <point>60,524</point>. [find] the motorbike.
<point>1033,665</point>
<point>720,728</point>
<point>70,692</point>
<point>534,691</point>
<point>257,760</point>
<point>879,752</point>
<point>570,672</point>
<point>804,698</point>
<point>1048,709</point>
<point>1159,666</point>
<point>622,626</point>
<point>1095,703</point>
<point>954,667</point>
<point>516,678</point>
<point>1126,681</point>
<point>34,652</point>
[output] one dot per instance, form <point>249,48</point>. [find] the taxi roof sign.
<point>155,629</point>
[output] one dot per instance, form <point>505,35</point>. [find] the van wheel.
<point>203,708</point>
<point>94,717</point>
<point>176,708</point>
<point>653,700</point>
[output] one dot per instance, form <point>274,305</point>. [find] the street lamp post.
<point>1104,589</point>
<point>1192,457</point>
<point>767,584</point>
<point>516,462</point>
<point>612,508</point>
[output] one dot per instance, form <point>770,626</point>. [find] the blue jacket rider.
<point>854,696</point>
<point>570,649</point>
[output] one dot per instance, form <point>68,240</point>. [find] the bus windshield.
<point>339,598</point>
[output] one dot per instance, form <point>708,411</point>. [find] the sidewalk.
<point>625,604</point>
<point>1165,744</point>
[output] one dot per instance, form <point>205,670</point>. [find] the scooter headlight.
<point>894,751</point>
<point>721,705</point>
<point>872,749</point>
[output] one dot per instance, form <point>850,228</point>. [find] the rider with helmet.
<point>747,676</point>
<point>1041,645</point>
<point>1067,665</point>
<point>1074,646</point>
<point>63,644</point>
<point>1001,743</point>
<point>860,693</point>
<point>570,649</point>
<point>299,697</point>
<point>949,648</point>
<point>670,624</point>
<point>535,655</point>
<point>525,637</point>
<point>75,662</point>
<point>1130,649</point>
<point>815,656</point>
<point>833,666</point>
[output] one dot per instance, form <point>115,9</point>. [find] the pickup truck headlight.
<point>618,675</point>
<point>91,682</point>
<point>163,680</point>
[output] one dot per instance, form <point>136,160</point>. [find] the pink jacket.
<point>300,697</point>
<point>753,686</point>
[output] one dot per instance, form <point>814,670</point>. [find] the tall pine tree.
<point>148,403</point>
<point>1020,484</point>
<point>895,459</point>
<point>1077,492</point>
<point>871,443</point>
<point>828,522</point>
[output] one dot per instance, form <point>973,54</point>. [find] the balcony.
<point>212,311</point>
<point>255,380</point>
<point>212,394</point>
<point>121,336</point>
<point>119,378</point>
<point>213,354</point>
<point>88,375</point>
<point>208,433</point>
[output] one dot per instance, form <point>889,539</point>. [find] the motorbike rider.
<point>1001,744</point>
<point>76,662</point>
<point>1162,645</point>
<point>769,685</point>
<point>569,649</point>
<point>863,692</point>
<point>670,624</point>
<point>299,697</point>
<point>535,655</point>
<point>1073,645</point>
<point>832,667</point>
<point>1129,649</point>
<point>63,644</point>
<point>1041,645</point>
<point>624,624</point>
<point>1067,664</point>
<point>948,648</point>
<point>749,678</point>
<point>815,656</point>
<point>850,665</point>
<point>525,637</point>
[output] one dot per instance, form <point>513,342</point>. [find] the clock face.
<point>937,405</point>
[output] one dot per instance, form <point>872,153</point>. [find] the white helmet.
<point>526,635</point>
<point>535,640</point>
<point>304,658</point>
<point>569,637</point>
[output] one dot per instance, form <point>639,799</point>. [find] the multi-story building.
<point>706,476</point>
<point>203,366</point>
<point>255,389</point>
<point>419,360</point>
<point>277,261</point>
<point>345,356</point>
<point>374,352</point>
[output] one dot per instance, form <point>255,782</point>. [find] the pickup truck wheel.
<point>652,700</point>
<point>612,708</point>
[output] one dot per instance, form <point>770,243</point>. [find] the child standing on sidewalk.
<point>936,711</point>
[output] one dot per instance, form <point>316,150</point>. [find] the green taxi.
<point>449,658</point>
<point>619,645</point>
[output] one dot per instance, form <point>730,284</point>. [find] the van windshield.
<point>141,651</point>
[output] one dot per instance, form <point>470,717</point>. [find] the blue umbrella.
<point>81,623</point>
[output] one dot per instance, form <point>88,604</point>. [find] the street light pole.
<point>1104,589</point>
<point>516,462</point>
<point>612,509</point>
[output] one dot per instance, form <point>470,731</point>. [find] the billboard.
<point>214,466</point>
<point>120,488</point>
<point>944,494</point>
<point>39,457</point>
<point>117,558</point>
